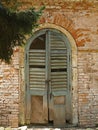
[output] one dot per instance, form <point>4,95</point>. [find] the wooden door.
<point>60,99</point>
<point>48,92</point>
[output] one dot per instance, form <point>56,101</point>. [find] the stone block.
<point>8,128</point>
<point>22,128</point>
<point>1,128</point>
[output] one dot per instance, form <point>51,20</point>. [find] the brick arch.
<point>64,21</point>
<point>58,19</point>
<point>74,67</point>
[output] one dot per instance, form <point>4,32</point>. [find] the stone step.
<point>34,128</point>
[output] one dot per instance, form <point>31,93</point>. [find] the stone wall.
<point>80,19</point>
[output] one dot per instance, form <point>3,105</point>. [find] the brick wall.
<point>88,88</point>
<point>87,69</point>
<point>80,19</point>
<point>9,92</point>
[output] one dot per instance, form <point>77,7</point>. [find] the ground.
<point>43,128</point>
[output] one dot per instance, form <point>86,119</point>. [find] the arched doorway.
<point>48,78</point>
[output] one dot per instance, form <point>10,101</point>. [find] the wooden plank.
<point>28,97</point>
<point>37,70</point>
<point>59,73</point>
<point>36,55</point>
<point>55,75</point>
<point>57,44</point>
<point>41,74</point>
<point>58,47</point>
<point>59,83</point>
<point>45,107</point>
<point>37,89</point>
<point>37,83</point>
<point>58,51</point>
<point>37,86</point>
<point>37,60</point>
<point>37,75</point>
<point>60,66</point>
<point>33,57</point>
<point>59,61</point>
<point>38,115</point>
<point>39,92</point>
<point>59,111</point>
<point>59,57</point>
<point>40,64</point>
<point>59,100</point>
<point>37,51</point>
<point>58,79</point>
<point>37,79</point>
<point>56,90</point>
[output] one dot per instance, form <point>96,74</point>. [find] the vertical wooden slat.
<point>28,98</point>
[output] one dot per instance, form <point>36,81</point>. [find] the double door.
<point>48,97</point>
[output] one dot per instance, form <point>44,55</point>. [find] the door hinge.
<point>26,57</point>
<point>69,58</point>
<point>26,87</point>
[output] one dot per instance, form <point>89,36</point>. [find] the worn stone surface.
<point>62,128</point>
<point>1,128</point>
<point>8,128</point>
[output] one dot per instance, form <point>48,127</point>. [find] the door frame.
<point>68,91</point>
<point>73,67</point>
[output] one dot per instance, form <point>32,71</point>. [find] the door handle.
<point>47,81</point>
<point>50,94</point>
<point>49,91</point>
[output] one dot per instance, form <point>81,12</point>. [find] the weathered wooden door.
<point>48,79</point>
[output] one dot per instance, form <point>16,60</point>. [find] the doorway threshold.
<point>49,126</point>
